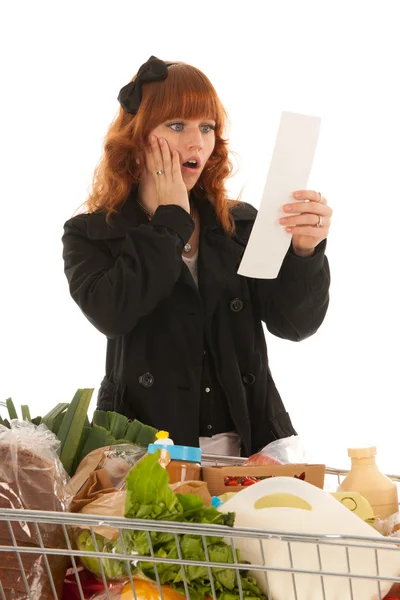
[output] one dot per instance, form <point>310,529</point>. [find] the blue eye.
<point>179,127</point>
<point>176,126</point>
<point>207,128</point>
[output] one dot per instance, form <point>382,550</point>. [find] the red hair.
<point>186,93</point>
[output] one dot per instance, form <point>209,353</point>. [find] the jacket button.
<point>236,305</point>
<point>249,379</point>
<point>146,380</point>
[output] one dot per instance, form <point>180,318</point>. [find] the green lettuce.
<point>148,496</point>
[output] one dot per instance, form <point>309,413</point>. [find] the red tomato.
<point>249,481</point>
<point>231,481</point>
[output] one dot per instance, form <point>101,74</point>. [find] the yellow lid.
<point>362,452</point>
<point>161,435</point>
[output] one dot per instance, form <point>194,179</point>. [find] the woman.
<point>153,265</point>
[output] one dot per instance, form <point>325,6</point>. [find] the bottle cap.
<point>163,439</point>
<point>362,452</point>
<point>187,453</point>
<point>215,501</point>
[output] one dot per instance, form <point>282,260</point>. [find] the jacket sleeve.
<point>293,306</point>
<point>115,292</point>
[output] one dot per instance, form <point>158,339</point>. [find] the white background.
<point>63,64</point>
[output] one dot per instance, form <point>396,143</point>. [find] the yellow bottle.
<point>366,479</point>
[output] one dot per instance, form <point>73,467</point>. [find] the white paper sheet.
<point>289,171</point>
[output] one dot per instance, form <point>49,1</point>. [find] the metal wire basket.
<point>295,579</point>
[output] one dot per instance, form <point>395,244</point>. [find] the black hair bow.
<point>130,95</point>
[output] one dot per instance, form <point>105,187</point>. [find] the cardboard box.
<point>219,479</point>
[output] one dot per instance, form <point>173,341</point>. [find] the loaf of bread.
<point>31,477</point>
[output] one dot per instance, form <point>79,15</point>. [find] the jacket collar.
<point>219,254</point>
<point>131,215</point>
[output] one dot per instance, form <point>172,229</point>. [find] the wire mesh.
<point>332,570</point>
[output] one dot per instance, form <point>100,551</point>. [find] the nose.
<point>194,139</point>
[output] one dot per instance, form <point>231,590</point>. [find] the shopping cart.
<point>296,580</point>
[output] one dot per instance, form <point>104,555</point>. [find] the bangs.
<point>186,93</point>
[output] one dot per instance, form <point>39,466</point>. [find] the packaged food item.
<point>115,461</point>
<point>366,478</point>
<point>221,480</point>
<point>185,461</point>
<point>31,478</point>
<point>357,504</point>
<point>286,504</point>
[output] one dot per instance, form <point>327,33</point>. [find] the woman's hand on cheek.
<point>165,170</point>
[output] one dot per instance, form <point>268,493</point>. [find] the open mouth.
<point>191,164</point>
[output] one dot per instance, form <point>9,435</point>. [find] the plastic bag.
<point>119,460</point>
<point>32,477</point>
<point>288,450</point>
<point>115,461</point>
<point>390,526</point>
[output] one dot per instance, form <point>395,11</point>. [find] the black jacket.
<point>129,280</point>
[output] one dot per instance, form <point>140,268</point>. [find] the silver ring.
<point>161,172</point>
<point>320,197</point>
<point>319,224</point>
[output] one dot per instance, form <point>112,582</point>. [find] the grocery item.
<point>285,504</point>
<point>162,437</point>
<point>144,590</point>
<point>185,463</point>
<point>284,451</point>
<point>70,423</point>
<point>114,463</point>
<point>31,478</point>
<point>356,503</point>
<point>90,586</point>
<point>365,478</point>
<point>221,480</point>
<point>106,505</point>
<point>199,488</point>
<point>262,458</point>
<point>149,496</point>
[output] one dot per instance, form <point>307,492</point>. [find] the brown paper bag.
<point>106,505</point>
<point>193,487</point>
<point>89,464</point>
<point>97,485</point>
<point>116,460</point>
